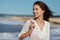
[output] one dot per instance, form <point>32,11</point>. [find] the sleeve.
<point>25,28</point>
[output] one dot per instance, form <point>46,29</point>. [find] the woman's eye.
<point>33,9</point>
<point>36,9</point>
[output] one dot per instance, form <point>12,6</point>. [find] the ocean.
<point>11,32</point>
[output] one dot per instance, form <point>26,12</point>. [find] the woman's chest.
<point>36,33</point>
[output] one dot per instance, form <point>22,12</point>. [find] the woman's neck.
<point>40,22</point>
<point>39,19</point>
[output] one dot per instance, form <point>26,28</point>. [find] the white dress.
<point>37,34</point>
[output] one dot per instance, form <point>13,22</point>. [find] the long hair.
<point>48,13</point>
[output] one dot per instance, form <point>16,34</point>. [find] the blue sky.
<point>25,7</point>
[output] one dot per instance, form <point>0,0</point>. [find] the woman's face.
<point>37,11</point>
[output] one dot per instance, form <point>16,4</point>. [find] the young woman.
<point>39,27</point>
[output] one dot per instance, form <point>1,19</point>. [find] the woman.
<point>39,27</point>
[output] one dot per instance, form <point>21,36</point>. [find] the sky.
<point>24,7</point>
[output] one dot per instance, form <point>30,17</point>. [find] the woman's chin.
<point>35,16</point>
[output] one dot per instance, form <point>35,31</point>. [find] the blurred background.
<point>14,14</point>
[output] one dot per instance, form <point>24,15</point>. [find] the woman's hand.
<point>32,25</point>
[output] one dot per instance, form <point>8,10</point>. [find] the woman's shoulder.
<point>47,23</point>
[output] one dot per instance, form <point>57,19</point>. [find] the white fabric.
<point>37,34</point>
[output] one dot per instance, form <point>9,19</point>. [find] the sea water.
<point>11,32</point>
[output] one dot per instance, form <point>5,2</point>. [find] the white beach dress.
<point>37,34</point>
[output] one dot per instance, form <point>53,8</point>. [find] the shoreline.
<point>54,21</point>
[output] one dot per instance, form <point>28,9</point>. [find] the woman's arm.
<point>27,30</point>
<point>24,35</point>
